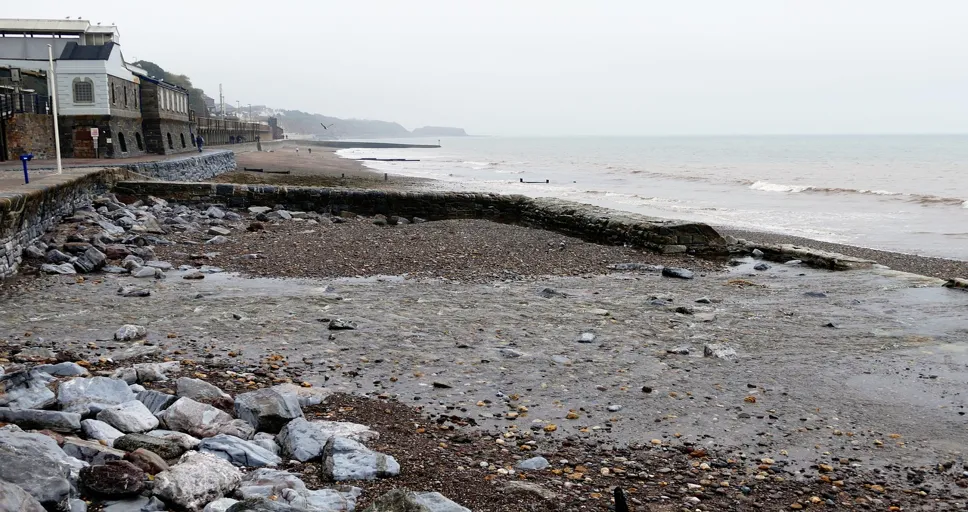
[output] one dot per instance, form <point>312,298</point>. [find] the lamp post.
<point>53,94</point>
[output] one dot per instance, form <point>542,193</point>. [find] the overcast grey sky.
<point>564,67</point>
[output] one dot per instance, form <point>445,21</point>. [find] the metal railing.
<point>23,103</point>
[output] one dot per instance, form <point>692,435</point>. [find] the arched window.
<point>137,139</point>
<point>122,143</point>
<point>170,144</point>
<point>83,90</point>
<point>183,139</point>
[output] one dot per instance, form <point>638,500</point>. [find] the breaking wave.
<point>915,198</point>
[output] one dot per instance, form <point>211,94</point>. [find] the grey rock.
<point>680,351</point>
<point>197,479</point>
<point>761,266</point>
<point>37,419</point>
<point>149,462</point>
<point>185,441</point>
<point>267,441</point>
<point>113,478</point>
<point>216,240</point>
<point>220,505</point>
<point>76,505</point>
<point>35,463</point>
<point>305,396</point>
<point>110,228</point>
<point>112,269</point>
<point>26,390</point>
<point>34,354</point>
<point>284,215</point>
<point>757,253</point>
<point>130,332</point>
<point>65,369</point>
<point>511,353</point>
<point>136,388</point>
<point>34,253</point>
<point>626,267</point>
<point>145,272</point>
<point>165,448</point>
<point>533,464</point>
<point>215,212</point>
<point>133,351</point>
<point>91,260</point>
<point>197,389</point>
<point>164,266</point>
<point>63,269</point>
<point>129,417</point>
<point>91,395</point>
<point>131,262</point>
<point>203,420</point>
<point>614,408</point>
<point>100,431</point>
<point>560,359</point>
<point>139,504</point>
<point>290,490</point>
<point>680,273</point>
<point>719,351</point>
<point>255,210</point>
<point>586,337</point>
<point>816,295</point>
<point>345,459</point>
<point>305,440</point>
<point>219,230</point>
<point>56,257</point>
<point>338,324</point>
<point>262,505</point>
<point>238,451</point>
<point>91,452</point>
<point>133,291</point>
<point>156,401</point>
<point>267,410</point>
<point>550,293</point>
<point>14,498</point>
<point>704,300</point>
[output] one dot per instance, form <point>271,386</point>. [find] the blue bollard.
<point>26,158</point>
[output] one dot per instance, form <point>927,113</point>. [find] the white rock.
<point>304,440</point>
<point>129,417</point>
<point>203,420</point>
<point>220,505</point>
<point>100,431</point>
<point>130,332</point>
<point>290,489</point>
<point>436,502</point>
<point>91,395</point>
<point>180,438</point>
<point>198,389</point>
<point>197,479</point>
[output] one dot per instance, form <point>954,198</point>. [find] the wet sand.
<point>319,168</point>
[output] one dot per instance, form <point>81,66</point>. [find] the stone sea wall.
<point>587,222</point>
<point>192,167</point>
<point>26,215</point>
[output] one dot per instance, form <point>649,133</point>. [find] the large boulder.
<point>65,369</point>
<point>203,420</point>
<point>14,498</point>
<point>404,500</point>
<point>34,419</point>
<point>149,462</point>
<point>220,505</point>
<point>91,260</point>
<point>305,396</point>
<point>137,504</point>
<point>113,478</point>
<point>165,448</point>
<point>38,465</point>
<point>129,417</point>
<point>26,390</point>
<point>345,459</point>
<point>89,396</point>
<point>238,451</point>
<point>304,440</point>
<point>267,410</point>
<point>290,490</point>
<point>197,479</point>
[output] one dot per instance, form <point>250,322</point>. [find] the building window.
<point>137,140</point>
<point>170,144</point>
<point>122,143</point>
<point>83,90</point>
<point>113,98</point>
<point>183,140</point>
<point>126,96</point>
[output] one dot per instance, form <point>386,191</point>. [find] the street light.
<point>53,94</point>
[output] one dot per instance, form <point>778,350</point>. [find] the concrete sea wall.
<point>587,222</point>
<point>193,167</point>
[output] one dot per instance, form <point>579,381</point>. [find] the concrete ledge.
<point>189,167</point>
<point>812,257</point>
<point>587,222</point>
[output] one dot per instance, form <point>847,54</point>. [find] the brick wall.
<point>158,131</point>
<point>29,133</point>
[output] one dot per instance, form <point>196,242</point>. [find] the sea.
<point>899,193</point>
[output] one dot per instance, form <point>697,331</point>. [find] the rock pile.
<point>110,441</point>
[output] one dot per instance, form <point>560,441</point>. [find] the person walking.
<point>201,141</point>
